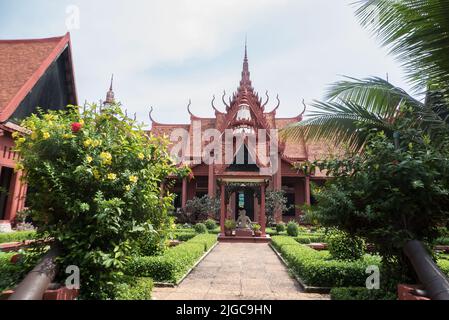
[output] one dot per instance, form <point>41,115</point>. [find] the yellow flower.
<point>68,136</point>
<point>141,156</point>
<point>112,176</point>
<point>106,157</point>
<point>18,167</point>
<point>34,135</point>
<point>89,159</point>
<point>88,143</point>
<point>15,134</point>
<point>20,140</point>
<point>96,143</point>
<point>133,179</point>
<point>128,188</point>
<point>46,135</point>
<point>50,117</point>
<point>81,122</point>
<point>96,174</point>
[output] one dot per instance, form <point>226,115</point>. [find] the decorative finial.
<point>110,95</point>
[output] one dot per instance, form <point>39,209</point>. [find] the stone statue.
<point>243,221</point>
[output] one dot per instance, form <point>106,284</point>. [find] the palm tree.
<point>417,33</point>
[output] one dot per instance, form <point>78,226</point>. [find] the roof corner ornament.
<point>305,108</point>
<point>188,108</point>
<point>279,103</point>
<point>151,115</point>
<point>213,105</point>
<point>266,102</point>
<point>224,101</point>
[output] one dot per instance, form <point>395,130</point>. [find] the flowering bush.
<point>96,179</point>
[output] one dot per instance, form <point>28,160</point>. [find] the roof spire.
<point>246,81</point>
<point>110,94</point>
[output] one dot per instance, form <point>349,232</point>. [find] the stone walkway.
<point>234,271</point>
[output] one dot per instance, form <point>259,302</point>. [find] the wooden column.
<point>307,190</point>
<point>184,193</point>
<point>222,208</point>
<point>211,182</point>
<point>12,205</point>
<point>262,219</point>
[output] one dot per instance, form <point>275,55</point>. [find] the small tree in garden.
<point>275,201</point>
<point>96,178</point>
<point>393,193</point>
<point>200,209</point>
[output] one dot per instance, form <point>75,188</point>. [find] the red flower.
<point>76,127</point>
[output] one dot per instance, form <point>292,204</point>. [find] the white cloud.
<point>164,52</point>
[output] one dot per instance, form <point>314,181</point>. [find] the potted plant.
<point>256,228</point>
<point>230,226</point>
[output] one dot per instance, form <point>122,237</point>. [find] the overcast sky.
<point>164,53</point>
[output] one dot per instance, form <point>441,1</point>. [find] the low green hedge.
<point>317,269</point>
<point>304,238</point>
<point>360,294</point>
<point>444,266</point>
<point>174,263</point>
<point>184,235</point>
<point>135,289</point>
<point>17,236</point>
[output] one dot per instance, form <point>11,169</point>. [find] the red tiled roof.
<point>22,63</point>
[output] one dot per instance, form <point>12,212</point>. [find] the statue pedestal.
<point>243,233</point>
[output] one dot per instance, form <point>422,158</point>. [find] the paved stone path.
<point>234,271</point>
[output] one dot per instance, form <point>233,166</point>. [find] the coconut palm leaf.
<point>353,107</point>
<point>416,32</point>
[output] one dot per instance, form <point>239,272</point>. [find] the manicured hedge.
<point>305,238</point>
<point>184,235</point>
<point>174,263</point>
<point>360,294</point>
<point>135,289</point>
<point>17,236</point>
<point>317,269</point>
<point>444,266</point>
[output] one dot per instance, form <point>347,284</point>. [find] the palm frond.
<point>338,122</point>
<point>416,32</point>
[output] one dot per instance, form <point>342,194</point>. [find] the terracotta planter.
<point>258,234</point>
<point>228,233</point>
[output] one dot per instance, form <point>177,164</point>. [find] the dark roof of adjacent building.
<point>23,63</point>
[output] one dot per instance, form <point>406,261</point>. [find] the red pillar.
<point>307,190</point>
<point>222,208</point>
<point>14,197</point>
<point>262,219</point>
<point>184,193</point>
<point>211,182</point>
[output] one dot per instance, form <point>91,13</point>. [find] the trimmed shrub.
<point>185,236</point>
<point>442,241</point>
<point>292,229</point>
<point>360,294</point>
<point>342,246</point>
<point>18,236</point>
<point>210,224</point>
<point>444,266</point>
<point>310,238</point>
<point>175,262</point>
<point>316,268</point>
<point>135,289</point>
<point>280,227</point>
<point>200,228</point>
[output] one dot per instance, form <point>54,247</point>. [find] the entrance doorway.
<point>6,175</point>
<point>245,200</point>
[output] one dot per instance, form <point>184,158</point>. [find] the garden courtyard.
<point>232,271</point>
